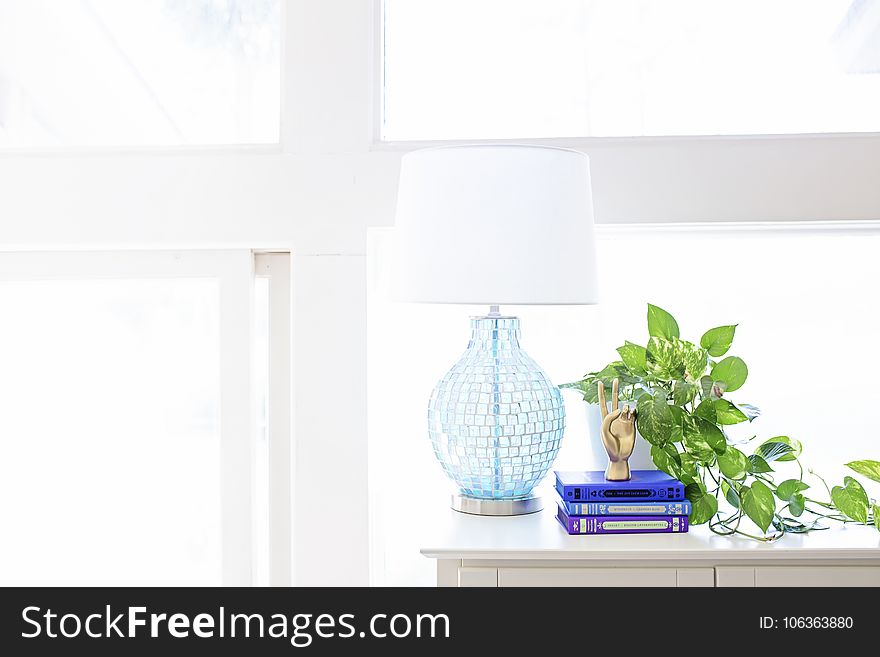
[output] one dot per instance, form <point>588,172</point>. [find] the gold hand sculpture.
<point>618,434</point>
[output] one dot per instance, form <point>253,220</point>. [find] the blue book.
<point>591,486</point>
<point>622,524</point>
<point>682,508</point>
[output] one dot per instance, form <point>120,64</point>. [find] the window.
<point>499,69</point>
<point>105,73</point>
<point>110,432</point>
<point>802,316</point>
<point>127,431</point>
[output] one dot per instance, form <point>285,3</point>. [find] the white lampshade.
<point>495,225</point>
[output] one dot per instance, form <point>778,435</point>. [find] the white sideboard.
<point>534,550</point>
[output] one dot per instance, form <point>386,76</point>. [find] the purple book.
<point>622,524</point>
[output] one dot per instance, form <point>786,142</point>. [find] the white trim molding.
<point>740,228</point>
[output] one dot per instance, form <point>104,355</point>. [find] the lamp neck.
<point>494,332</point>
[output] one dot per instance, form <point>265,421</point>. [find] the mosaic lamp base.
<point>496,421</point>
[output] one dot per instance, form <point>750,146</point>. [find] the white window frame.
<point>684,179</point>
<point>275,266</point>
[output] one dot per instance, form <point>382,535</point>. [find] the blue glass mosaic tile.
<point>496,420</point>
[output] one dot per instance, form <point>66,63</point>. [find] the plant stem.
<point>839,517</point>
<point>712,474</point>
<point>822,480</point>
<point>763,539</point>
<point>827,505</point>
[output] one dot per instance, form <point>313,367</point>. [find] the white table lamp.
<point>495,225</point>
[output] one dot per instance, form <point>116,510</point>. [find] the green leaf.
<point>607,372</point>
<point>664,360</point>
<point>730,373</point>
<point>706,410</point>
<point>683,392</point>
<point>694,358</point>
<point>750,411</point>
<point>730,495</point>
<point>876,510</point>
<point>727,413</point>
<point>661,324</point>
<point>758,465</point>
<point>789,488</point>
<point>718,340</point>
<point>578,385</point>
<point>856,490</point>
<point>667,459</point>
<point>633,356</point>
<point>591,394</point>
<point>792,526</point>
<point>678,415</point>
<point>709,389</point>
<point>758,503</point>
<point>703,439</point>
<point>703,505</point>
<point>696,444</point>
<point>616,370</point>
<point>713,435</point>
<point>869,469</point>
<point>851,500</point>
<point>780,453</point>
<point>796,505</point>
<point>588,388</point>
<point>689,473</point>
<point>654,419</point>
<point>733,463</point>
<point>773,450</point>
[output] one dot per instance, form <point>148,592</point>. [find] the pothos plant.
<point>681,391</point>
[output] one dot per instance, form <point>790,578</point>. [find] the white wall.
<point>328,181</point>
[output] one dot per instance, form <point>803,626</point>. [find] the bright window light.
<point>151,73</point>
<point>498,69</point>
<point>109,433</point>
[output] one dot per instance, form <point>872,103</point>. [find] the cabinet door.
<point>618,577</point>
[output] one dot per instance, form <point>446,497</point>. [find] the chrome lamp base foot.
<point>484,507</point>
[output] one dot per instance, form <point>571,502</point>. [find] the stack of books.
<point>651,502</point>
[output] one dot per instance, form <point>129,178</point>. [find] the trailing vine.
<point>680,392</point>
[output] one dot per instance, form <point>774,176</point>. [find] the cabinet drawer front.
<point>817,576</point>
<point>587,577</point>
<point>798,576</point>
<point>481,577</point>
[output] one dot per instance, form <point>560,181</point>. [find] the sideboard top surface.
<point>539,536</point>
